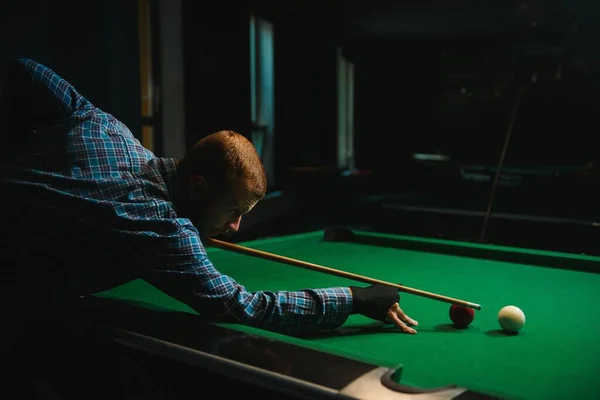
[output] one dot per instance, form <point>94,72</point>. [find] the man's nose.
<point>234,225</point>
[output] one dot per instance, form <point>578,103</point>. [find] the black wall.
<point>306,93</point>
<point>218,79</point>
<point>408,100</point>
<point>217,69</point>
<point>94,48</point>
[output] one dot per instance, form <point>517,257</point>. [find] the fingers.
<point>401,320</point>
<point>405,318</point>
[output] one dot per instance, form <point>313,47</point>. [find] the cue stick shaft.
<point>349,275</point>
<point>500,164</point>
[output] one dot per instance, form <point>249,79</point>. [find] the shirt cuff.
<point>337,303</point>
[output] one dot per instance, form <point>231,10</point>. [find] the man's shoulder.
<point>103,132</point>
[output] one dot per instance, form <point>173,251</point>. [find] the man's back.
<point>87,208</point>
<point>77,187</point>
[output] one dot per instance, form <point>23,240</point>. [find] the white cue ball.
<point>511,319</point>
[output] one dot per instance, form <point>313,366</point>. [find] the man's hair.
<point>222,158</point>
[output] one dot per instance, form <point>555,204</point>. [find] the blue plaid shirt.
<point>93,208</point>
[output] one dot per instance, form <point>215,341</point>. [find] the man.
<point>87,207</point>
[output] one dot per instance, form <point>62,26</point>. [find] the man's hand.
<point>397,317</point>
<point>381,303</point>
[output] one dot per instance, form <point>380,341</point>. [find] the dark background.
<point>429,78</point>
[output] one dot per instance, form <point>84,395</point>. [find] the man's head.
<point>221,179</point>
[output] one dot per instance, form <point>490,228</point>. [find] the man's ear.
<point>198,188</point>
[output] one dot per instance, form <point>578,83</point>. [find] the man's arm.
<point>33,99</point>
<point>187,274</point>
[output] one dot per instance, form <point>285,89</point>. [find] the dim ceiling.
<point>377,18</point>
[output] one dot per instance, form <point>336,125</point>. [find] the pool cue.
<point>500,164</point>
<point>315,267</point>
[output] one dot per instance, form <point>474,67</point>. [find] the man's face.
<point>214,211</point>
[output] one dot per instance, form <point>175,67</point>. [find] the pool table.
<point>555,356</point>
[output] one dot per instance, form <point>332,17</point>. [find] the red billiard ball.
<point>461,316</point>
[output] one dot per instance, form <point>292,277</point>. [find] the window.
<point>262,87</point>
<point>147,73</point>
<point>161,77</point>
<point>345,142</point>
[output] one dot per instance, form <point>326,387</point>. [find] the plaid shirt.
<point>98,210</point>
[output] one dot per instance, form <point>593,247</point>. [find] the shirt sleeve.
<point>34,101</point>
<point>185,272</point>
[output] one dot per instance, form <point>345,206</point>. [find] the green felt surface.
<point>555,356</point>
